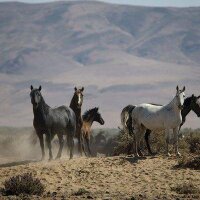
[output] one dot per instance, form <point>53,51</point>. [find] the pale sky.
<point>171,3</point>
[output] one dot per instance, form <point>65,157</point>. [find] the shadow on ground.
<point>12,164</point>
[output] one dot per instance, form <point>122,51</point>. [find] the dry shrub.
<point>186,188</point>
<point>189,144</point>
<point>81,191</point>
<point>23,184</point>
<point>194,144</point>
<point>189,162</point>
<point>124,144</point>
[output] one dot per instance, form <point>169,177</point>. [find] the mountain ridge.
<point>105,47</point>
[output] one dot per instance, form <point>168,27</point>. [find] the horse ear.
<point>183,89</point>
<point>177,89</point>
<point>198,97</point>
<point>75,89</point>
<point>40,88</point>
<point>192,95</point>
<point>31,87</point>
<point>82,89</point>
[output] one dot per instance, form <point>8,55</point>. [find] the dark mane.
<point>187,101</point>
<point>87,113</point>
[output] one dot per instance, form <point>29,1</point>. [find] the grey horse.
<point>190,104</point>
<point>51,121</point>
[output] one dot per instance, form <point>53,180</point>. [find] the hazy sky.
<point>176,3</point>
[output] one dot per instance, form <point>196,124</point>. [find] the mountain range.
<point>121,54</point>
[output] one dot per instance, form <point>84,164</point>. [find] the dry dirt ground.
<point>106,178</point>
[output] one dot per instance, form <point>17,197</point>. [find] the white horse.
<point>158,118</point>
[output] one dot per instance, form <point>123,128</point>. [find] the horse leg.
<point>48,137</point>
<point>176,133</point>
<point>70,144</point>
<point>61,143</point>
<point>83,144</point>
<point>167,141</point>
<point>88,144</point>
<point>79,143</point>
<point>140,136</point>
<point>146,137</point>
<point>41,144</point>
<point>136,134</point>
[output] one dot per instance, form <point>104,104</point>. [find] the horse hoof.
<point>42,159</point>
<point>50,159</point>
<point>178,154</point>
<point>137,155</point>
<point>168,154</point>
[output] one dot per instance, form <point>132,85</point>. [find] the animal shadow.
<point>133,159</point>
<point>12,164</point>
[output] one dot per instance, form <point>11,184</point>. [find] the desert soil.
<point>106,178</point>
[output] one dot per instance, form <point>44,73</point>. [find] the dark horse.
<point>51,121</point>
<point>75,105</point>
<point>89,117</point>
<point>190,103</point>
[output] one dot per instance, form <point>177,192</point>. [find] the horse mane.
<point>88,112</point>
<point>187,101</point>
<point>72,103</point>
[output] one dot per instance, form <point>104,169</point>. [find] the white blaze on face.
<point>182,98</point>
<point>79,99</point>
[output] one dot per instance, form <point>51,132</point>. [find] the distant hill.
<point>113,50</point>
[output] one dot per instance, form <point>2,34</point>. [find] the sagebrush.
<point>23,184</point>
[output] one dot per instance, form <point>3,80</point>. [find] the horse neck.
<point>74,107</point>
<point>186,110</point>
<point>172,104</point>
<point>42,108</point>
<point>90,121</point>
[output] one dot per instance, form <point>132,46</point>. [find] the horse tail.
<point>126,118</point>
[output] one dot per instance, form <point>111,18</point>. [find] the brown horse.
<point>88,118</point>
<point>75,105</point>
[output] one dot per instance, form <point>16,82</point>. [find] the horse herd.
<point>137,120</point>
<point>62,121</point>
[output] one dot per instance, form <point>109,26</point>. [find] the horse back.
<point>62,117</point>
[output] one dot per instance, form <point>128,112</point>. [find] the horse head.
<point>36,96</point>
<point>195,104</point>
<point>180,95</point>
<point>98,118</point>
<point>78,96</point>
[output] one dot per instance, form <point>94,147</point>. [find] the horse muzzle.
<point>35,105</point>
<point>102,122</point>
<point>180,107</point>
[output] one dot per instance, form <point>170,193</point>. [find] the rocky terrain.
<point>108,178</point>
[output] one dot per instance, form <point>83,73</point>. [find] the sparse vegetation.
<point>186,188</point>
<point>124,144</point>
<point>189,144</point>
<point>81,191</point>
<point>193,141</point>
<point>189,162</point>
<point>23,184</point>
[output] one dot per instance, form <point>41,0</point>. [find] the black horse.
<point>51,121</point>
<point>190,103</point>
